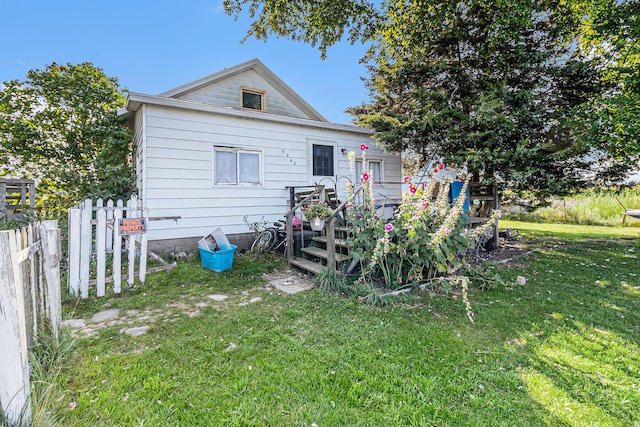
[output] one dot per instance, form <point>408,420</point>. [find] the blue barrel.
<point>456,187</point>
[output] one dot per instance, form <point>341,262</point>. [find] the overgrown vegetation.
<point>46,361</point>
<point>425,243</point>
<point>595,207</point>
<point>561,349</point>
<point>47,357</point>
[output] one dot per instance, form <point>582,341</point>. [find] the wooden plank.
<point>307,265</point>
<point>33,278</point>
<point>26,253</point>
<point>50,237</point>
<point>109,238</point>
<point>86,241</point>
<point>23,279</point>
<point>116,271</point>
<point>322,253</point>
<point>14,367</point>
<point>125,277</point>
<point>73,273</point>
<point>143,251</point>
<point>338,242</point>
<point>132,206</point>
<point>3,194</point>
<point>101,235</point>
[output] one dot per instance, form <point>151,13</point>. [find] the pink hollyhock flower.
<point>435,170</point>
<point>413,189</point>
<point>441,166</point>
<point>425,205</point>
<point>407,179</point>
<point>364,147</point>
<point>365,177</point>
<point>388,226</point>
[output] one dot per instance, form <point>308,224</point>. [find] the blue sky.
<point>154,46</point>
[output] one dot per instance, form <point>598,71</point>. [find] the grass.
<point>564,349</point>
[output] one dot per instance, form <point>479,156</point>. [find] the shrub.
<point>426,238</point>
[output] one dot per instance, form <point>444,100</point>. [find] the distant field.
<point>590,208</point>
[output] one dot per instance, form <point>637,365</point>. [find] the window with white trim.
<point>375,167</point>
<point>233,166</point>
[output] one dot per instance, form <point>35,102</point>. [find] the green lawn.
<point>562,350</point>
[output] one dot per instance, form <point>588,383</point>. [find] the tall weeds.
<point>597,207</point>
<point>46,360</point>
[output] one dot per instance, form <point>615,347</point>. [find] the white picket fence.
<point>93,234</point>
<point>29,300</point>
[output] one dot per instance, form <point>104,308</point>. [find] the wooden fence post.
<point>14,367</point>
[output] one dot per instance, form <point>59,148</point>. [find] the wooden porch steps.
<point>317,252</point>
<point>315,257</point>
<point>307,265</point>
<point>339,242</point>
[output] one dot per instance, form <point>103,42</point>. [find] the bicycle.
<point>270,239</point>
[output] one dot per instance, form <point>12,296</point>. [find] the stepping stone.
<point>219,298</point>
<point>137,331</point>
<point>75,323</point>
<point>105,316</point>
<point>253,300</point>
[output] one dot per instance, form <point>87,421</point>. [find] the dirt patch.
<point>289,282</point>
<point>508,253</point>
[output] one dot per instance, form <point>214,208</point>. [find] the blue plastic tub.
<point>219,260</point>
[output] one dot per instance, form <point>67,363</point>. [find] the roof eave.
<point>262,70</point>
<point>135,100</point>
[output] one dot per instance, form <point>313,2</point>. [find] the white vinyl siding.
<point>179,163</point>
<point>227,93</point>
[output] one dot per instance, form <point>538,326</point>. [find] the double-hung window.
<point>374,168</point>
<point>234,166</point>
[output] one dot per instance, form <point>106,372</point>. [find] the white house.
<point>224,150</point>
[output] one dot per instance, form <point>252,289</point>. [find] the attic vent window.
<point>253,99</point>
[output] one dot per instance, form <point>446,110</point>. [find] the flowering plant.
<point>422,244</point>
<point>317,210</point>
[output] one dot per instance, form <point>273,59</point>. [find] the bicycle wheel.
<point>263,242</point>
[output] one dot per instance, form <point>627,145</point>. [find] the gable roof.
<point>260,69</point>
